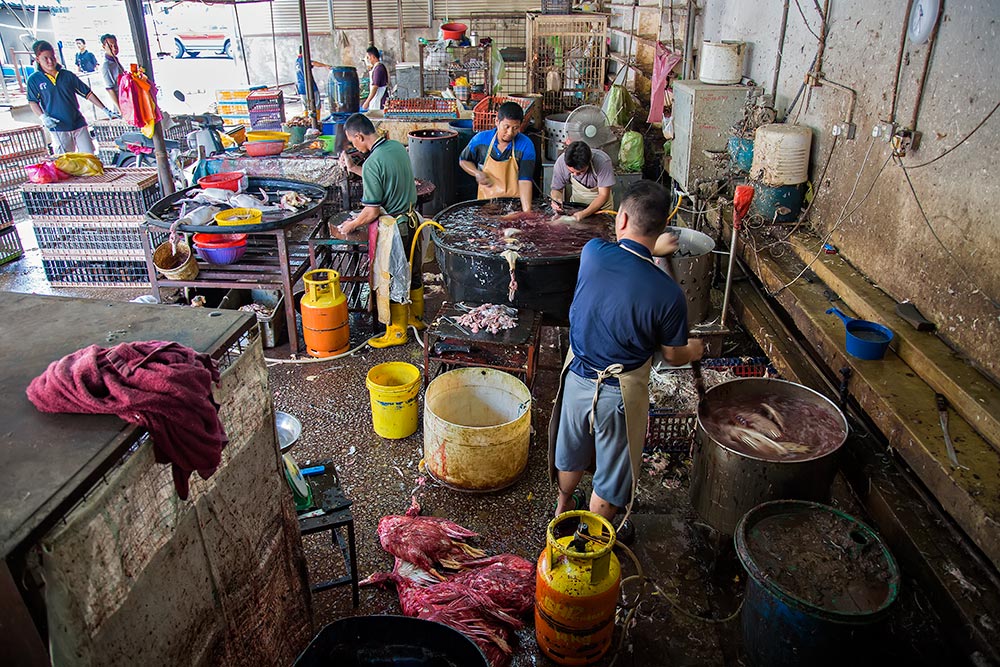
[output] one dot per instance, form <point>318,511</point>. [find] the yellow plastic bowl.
<point>238,216</point>
<point>268,135</point>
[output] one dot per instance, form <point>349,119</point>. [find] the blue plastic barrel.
<point>820,584</point>
<point>344,90</point>
<point>465,185</point>
<point>781,203</point>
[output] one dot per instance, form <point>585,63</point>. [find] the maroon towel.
<point>161,386</point>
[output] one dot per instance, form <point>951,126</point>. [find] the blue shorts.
<point>606,448</point>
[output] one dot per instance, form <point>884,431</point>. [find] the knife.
<point>942,406</point>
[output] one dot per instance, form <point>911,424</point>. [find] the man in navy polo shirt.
<point>52,95</point>
<point>624,309</point>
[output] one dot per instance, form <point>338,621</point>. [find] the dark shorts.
<point>606,448</point>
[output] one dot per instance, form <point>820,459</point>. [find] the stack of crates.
<point>267,109</point>
<point>89,228</point>
<point>107,131</point>
<point>19,148</point>
<point>232,106</point>
<point>10,242</point>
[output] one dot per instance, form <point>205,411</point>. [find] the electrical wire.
<point>952,257</point>
<point>808,27</point>
<point>963,140</point>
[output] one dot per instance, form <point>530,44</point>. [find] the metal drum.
<point>692,268</point>
<point>555,135</point>
<point>433,156</point>
<point>726,483</point>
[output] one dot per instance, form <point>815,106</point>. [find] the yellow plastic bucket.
<point>393,388</point>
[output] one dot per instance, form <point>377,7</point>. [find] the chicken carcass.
<point>426,540</point>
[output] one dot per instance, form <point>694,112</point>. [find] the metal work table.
<point>277,253</point>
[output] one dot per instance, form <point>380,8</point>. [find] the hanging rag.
<point>162,386</point>
<point>390,267</point>
<point>664,63</point>
<point>137,98</point>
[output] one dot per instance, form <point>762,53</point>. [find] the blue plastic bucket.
<point>864,339</point>
<point>819,585</point>
<point>780,203</point>
<point>741,153</point>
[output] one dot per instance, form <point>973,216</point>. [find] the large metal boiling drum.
<point>727,483</point>
<point>692,267</point>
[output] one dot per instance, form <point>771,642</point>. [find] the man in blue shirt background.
<point>52,96</point>
<point>624,309</point>
<point>86,61</point>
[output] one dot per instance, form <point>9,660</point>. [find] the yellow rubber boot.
<point>416,318</point>
<point>395,331</point>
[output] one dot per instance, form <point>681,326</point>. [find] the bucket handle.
<point>844,318</point>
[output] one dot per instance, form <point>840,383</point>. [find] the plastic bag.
<point>498,67</point>
<point>618,105</point>
<point>630,156</point>
<point>79,164</point>
<point>45,172</point>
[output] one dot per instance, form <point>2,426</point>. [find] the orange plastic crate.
<point>484,115</point>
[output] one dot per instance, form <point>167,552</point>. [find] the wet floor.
<point>682,620</point>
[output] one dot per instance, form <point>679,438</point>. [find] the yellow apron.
<point>504,175</point>
<point>581,194</point>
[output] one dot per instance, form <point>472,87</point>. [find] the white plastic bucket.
<point>781,154</point>
<point>722,62</point>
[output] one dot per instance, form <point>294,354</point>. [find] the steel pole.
<point>145,60</point>
<point>310,100</point>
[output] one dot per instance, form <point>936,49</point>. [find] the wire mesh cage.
<point>89,239</point>
<point>508,34</point>
<point>10,244</point>
<point>96,273</point>
<point>567,56</point>
<point>116,195</point>
<point>22,141</point>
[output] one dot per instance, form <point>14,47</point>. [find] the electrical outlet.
<point>905,141</point>
<point>884,131</point>
<point>846,130</point>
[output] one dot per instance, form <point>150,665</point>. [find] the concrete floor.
<point>697,569</point>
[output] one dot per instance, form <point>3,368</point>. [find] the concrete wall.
<point>887,238</point>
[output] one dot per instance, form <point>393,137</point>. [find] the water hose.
<point>680,198</point>
<point>416,236</point>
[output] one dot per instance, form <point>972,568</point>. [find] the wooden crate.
<point>574,46</point>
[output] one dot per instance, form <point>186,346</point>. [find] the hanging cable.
<point>962,141</point>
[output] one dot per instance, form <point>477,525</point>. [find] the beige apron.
<point>504,175</point>
<point>581,194</point>
<point>635,397</point>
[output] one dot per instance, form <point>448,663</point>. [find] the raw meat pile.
<point>489,317</point>
<point>483,598</point>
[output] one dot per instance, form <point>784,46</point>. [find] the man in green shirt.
<point>389,190</point>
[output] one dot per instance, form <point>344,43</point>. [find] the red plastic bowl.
<point>227,180</point>
<point>263,148</point>
<point>453,30</point>
<point>220,240</point>
<point>220,255</point>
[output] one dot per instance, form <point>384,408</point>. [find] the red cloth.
<point>164,387</point>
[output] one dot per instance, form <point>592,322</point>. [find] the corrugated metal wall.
<point>350,14</point>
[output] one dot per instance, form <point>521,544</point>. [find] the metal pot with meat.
<point>491,252</point>
<point>762,439</point>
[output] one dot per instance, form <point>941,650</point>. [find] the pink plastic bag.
<point>663,64</point>
<point>45,172</point>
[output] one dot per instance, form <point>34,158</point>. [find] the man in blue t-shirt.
<point>624,309</point>
<point>86,61</point>
<point>52,96</point>
<point>502,160</point>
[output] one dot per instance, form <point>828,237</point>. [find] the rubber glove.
<point>112,113</point>
<point>48,121</point>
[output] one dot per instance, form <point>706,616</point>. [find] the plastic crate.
<point>89,238</point>
<point>14,196</point>
<point>6,217</point>
<point>10,244</point>
<point>234,95</point>
<point>107,131</point>
<point>96,273</point>
<point>271,120</point>
<point>22,141</point>
<point>116,195</point>
<point>231,108</point>
<point>673,432</point>
<point>484,116</point>
<point>12,171</point>
<point>421,107</point>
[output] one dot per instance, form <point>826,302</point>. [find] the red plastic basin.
<point>220,240</point>
<point>227,180</point>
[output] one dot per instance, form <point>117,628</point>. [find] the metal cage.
<point>567,56</point>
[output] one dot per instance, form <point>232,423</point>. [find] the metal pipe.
<point>239,37</point>
<point>141,40</point>
<point>402,36</point>
<point>899,61</point>
<point>310,100</point>
<point>923,74</point>
<point>689,40</point>
<point>854,96</point>
<point>274,46</point>
<point>371,23</point>
<point>781,47</point>
<point>822,40</point>
<point>729,272</point>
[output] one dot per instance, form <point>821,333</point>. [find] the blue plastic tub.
<point>820,583</point>
<point>864,339</point>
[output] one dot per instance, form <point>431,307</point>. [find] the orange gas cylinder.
<point>324,314</point>
<point>576,590</point>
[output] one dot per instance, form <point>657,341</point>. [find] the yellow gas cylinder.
<point>324,314</point>
<point>576,590</point>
